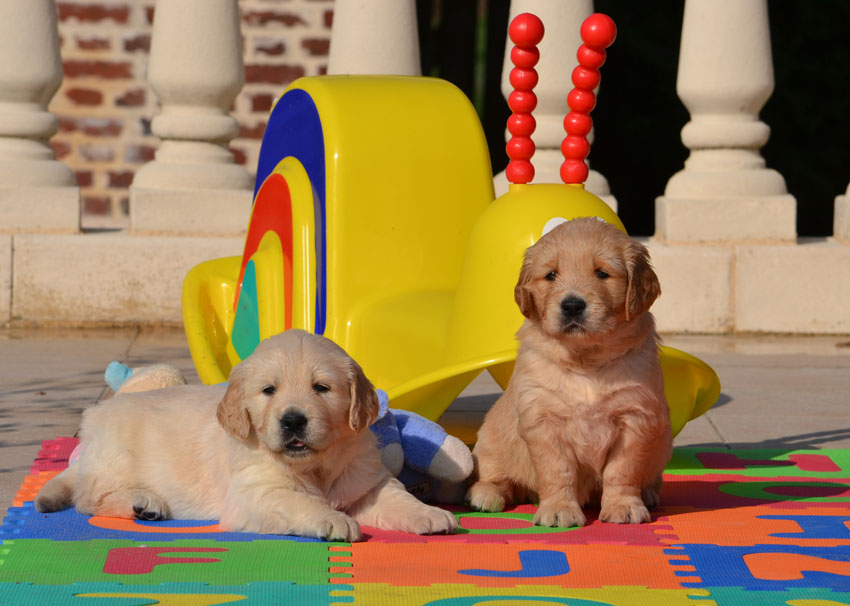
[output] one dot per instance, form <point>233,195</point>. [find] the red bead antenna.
<point>598,33</point>
<point>526,32</point>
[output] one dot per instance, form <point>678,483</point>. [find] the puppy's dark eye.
<point>601,274</point>
<point>320,388</point>
<point>551,276</point>
<point>269,390</point>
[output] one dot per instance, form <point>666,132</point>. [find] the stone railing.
<point>725,245</point>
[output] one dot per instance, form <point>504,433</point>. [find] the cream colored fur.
<point>198,452</point>
<point>584,419</point>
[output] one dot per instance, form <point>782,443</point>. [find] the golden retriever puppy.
<point>284,448</point>
<point>584,419</point>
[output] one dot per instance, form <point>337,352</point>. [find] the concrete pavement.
<point>778,392</point>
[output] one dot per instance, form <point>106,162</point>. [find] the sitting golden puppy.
<point>584,418</point>
<point>284,448</point>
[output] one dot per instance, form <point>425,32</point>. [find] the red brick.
<point>239,155</point>
<point>262,102</point>
<point>140,42</point>
<point>84,96</point>
<point>329,19</point>
<point>317,47</point>
<point>139,154</point>
<point>85,178</point>
<point>92,13</point>
<point>266,17</point>
<point>132,98</point>
<point>93,44</point>
<point>96,205</point>
<point>120,178</point>
<point>96,153</point>
<point>149,11</point>
<point>60,148</point>
<point>323,70</point>
<point>273,74</point>
<point>265,47</point>
<point>66,124</point>
<point>99,127</point>
<point>252,132</point>
<point>98,69</point>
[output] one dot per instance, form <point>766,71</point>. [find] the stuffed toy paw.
<point>430,463</point>
<point>123,379</point>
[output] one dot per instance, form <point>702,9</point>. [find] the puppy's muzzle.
<point>293,425</point>
<point>572,311</point>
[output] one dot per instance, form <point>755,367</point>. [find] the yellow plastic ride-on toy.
<point>374,224</point>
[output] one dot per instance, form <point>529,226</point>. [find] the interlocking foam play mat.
<point>746,527</point>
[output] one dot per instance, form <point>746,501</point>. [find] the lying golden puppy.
<point>284,448</point>
<point>584,418</point>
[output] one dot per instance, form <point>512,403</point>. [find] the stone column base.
<point>841,222</point>
<point>187,212</point>
<point>767,218</point>
<point>40,210</point>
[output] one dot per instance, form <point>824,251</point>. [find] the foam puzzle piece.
<point>806,527</point>
<point>724,491</point>
<point>765,463</point>
<point>517,526</point>
<point>791,597</point>
<point>68,525</point>
<point>441,594</point>
<point>54,454</point>
<point>168,594</point>
<point>768,567</point>
<point>43,561</point>
<point>588,566</point>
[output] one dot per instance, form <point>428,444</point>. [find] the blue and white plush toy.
<point>429,462</point>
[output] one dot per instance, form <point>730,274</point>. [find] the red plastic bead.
<point>521,125</point>
<point>578,124</point>
<point>522,101</point>
<point>524,79</point>
<point>526,30</point>
<point>525,58</point>
<point>574,171</point>
<point>586,78</point>
<point>582,101</point>
<point>589,57</point>
<point>575,148</point>
<point>520,148</point>
<point>519,171</point>
<point>599,31</point>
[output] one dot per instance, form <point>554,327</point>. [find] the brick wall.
<point>104,105</point>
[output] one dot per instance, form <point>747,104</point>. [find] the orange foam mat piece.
<point>512,565</point>
<point>759,525</point>
<point>31,485</point>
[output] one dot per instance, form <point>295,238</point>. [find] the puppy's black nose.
<point>572,307</point>
<point>293,421</point>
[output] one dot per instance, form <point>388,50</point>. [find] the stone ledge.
<point>803,288</point>
<point>172,212</point>
<point>40,209</point>
<point>695,288</point>
<point>5,278</point>
<point>107,278</point>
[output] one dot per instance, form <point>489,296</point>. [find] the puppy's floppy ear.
<point>231,412</point>
<point>363,410</point>
<point>643,287</point>
<point>522,292</point>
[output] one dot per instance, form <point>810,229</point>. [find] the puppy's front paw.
<point>148,506</point>
<point>434,520</point>
<point>485,496</point>
<point>338,526</point>
<point>563,514</point>
<point>626,510</point>
<point>649,495</point>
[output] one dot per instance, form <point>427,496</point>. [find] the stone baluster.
<point>193,186</point>
<point>725,191</point>
<point>841,220</point>
<point>374,37</point>
<point>562,21</point>
<point>37,192</point>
